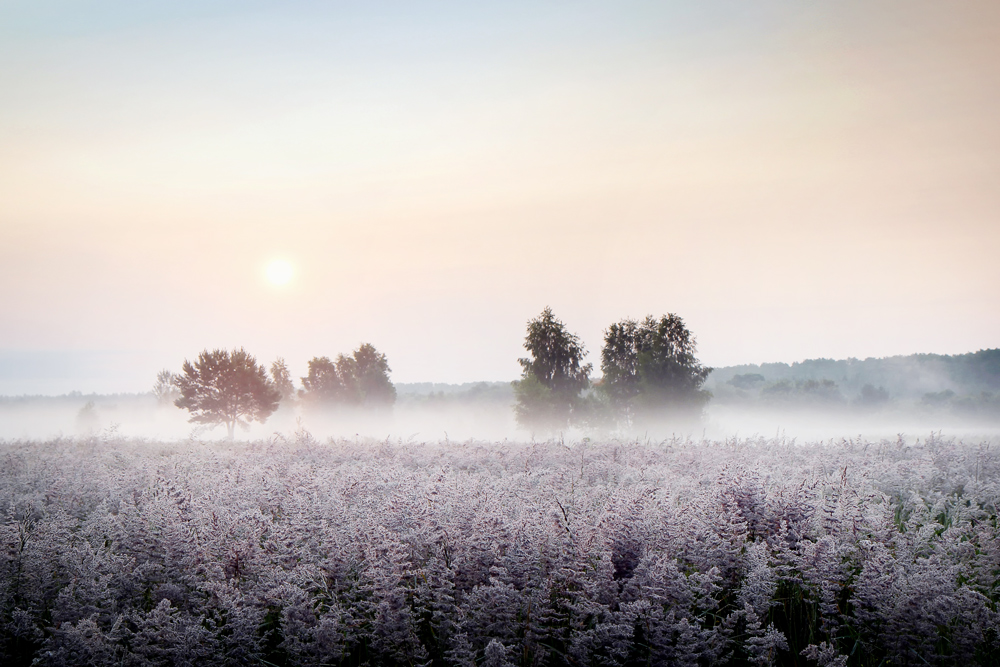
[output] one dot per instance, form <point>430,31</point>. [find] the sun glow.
<point>279,272</point>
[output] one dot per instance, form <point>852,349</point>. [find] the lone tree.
<point>224,387</point>
<point>361,379</point>
<point>553,378</point>
<point>649,369</point>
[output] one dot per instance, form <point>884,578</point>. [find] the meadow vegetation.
<point>291,551</point>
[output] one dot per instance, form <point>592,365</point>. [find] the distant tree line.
<point>905,377</point>
<point>966,385</point>
<point>649,374</point>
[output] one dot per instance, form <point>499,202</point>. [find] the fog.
<point>384,194</point>
<point>118,508</point>
<point>455,413</point>
<point>414,418</point>
<point>808,401</point>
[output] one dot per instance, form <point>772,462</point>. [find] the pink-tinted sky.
<point>795,181</point>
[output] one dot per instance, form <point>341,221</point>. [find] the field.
<point>348,552</point>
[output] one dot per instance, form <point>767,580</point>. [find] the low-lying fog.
<point>459,416</point>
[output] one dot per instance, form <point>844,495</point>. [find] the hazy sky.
<point>794,179</point>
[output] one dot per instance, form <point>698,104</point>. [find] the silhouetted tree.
<point>371,372</point>
<point>323,383</point>
<point>282,379</point>
<point>649,367</point>
<point>361,379</point>
<point>553,378</point>
<point>223,387</point>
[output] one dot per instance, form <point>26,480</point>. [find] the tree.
<point>282,379</point>
<point>650,367</point>
<point>165,389</point>
<point>371,372</point>
<point>361,379</point>
<point>87,420</point>
<point>553,378</point>
<point>747,380</point>
<point>324,383</point>
<point>224,387</point>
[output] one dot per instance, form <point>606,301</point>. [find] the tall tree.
<point>649,367</point>
<point>372,370</point>
<point>553,377</point>
<point>360,379</point>
<point>223,387</point>
<point>328,382</point>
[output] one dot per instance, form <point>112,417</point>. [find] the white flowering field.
<point>118,552</point>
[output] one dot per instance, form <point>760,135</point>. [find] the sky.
<point>795,180</point>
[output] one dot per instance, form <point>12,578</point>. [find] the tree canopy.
<point>649,368</point>
<point>371,372</point>
<point>223,387</point>
<point>361,379</point>
<point>553,377</point>
<point>282,379</point>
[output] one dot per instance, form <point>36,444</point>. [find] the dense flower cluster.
<point>617,553</point>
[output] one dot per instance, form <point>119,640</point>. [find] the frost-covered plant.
<point>294,552</point>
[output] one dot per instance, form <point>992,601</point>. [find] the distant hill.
<point>933,380</point>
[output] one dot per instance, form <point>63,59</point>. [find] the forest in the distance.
<point>651,382</point>
<point>932,380</point>
<point>966,384</point>
<point>958,389</point>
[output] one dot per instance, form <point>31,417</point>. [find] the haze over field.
<point>796,182</point>
<point>499,334</point>
<point>880,398</point>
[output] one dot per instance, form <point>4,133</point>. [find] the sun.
<point>279,272</point>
